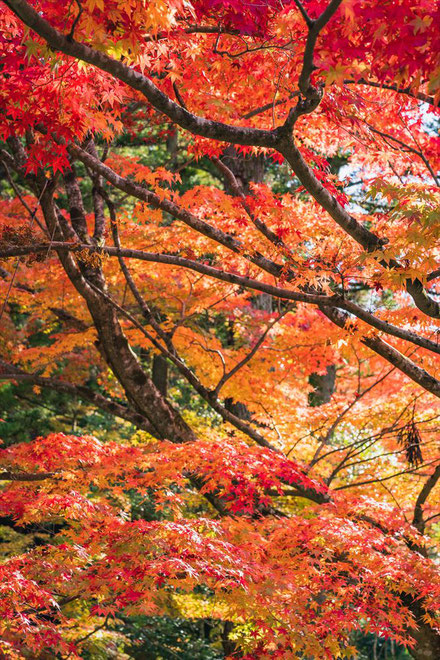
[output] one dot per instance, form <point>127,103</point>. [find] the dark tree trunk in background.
<point>160,374</point>
<point>246,169</point>
<point>427,639</point>
<point>228,645</point>
<point>324,385</point>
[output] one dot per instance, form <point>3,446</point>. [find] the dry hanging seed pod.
<point>409,438</point>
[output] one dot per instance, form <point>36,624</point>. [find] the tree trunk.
<point>427,639</point>
<point>160,374</point>
<point>324,385</point>
<point>113,344</point>
<point>246,169</point>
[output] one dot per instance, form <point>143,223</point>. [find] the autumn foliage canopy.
<point>219,226</point>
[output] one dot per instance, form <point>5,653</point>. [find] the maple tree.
<point>219,224</point>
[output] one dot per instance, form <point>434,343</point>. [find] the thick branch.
<point>307,89</point>
<point>191,377</point>
<point>389,328</point>
<point>76,207</point>
<point>367,239</point>
<point>418,520</point>
<point>231,278</point>
<point>348,223</point>
<point>173,260</point>
<point>143,194</point>
<point>165,421</point>
<point>392,355</point>
<point>25,476</point>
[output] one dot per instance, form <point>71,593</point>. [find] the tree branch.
<point>418,521</point>
<point>226,376</point>
<point>367,239</point>
<point>394,88</point>
<point>392,355</point>
<point>334,301</point>
<point>25,476</point>
<point>202,227</point>
<point>191,377</point>
<point>391,476</point>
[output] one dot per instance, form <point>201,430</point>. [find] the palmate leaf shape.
<point>321,574</point>
<point>214,217</point>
